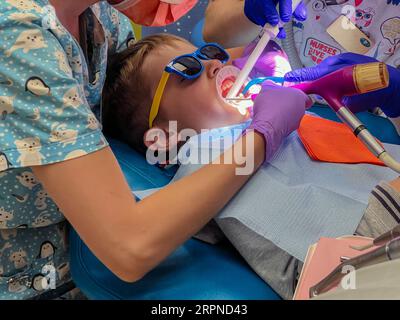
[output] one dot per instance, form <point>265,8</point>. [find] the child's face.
<point>194,104</point>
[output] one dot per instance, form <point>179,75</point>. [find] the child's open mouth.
<point>225,80</point>
<point>227,84</point>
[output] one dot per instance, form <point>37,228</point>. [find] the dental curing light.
<point>269,32</point>
<point>349,81</point>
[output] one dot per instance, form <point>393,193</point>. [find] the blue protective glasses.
<point>189,66</point>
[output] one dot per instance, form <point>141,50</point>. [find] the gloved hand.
<point>277,112</point>
<point>262,12</point>
<point>273,62</point>
<point>387,99</point>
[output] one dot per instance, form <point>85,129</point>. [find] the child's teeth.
<point>227,84</point>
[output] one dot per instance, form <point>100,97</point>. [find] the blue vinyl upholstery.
<point>195,271</point>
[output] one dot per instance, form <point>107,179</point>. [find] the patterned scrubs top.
<point>49,96</point>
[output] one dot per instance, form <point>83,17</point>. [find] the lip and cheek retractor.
<point>348,81</point>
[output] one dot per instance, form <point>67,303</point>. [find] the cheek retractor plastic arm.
<point>270,32</point>
<point>352,80</point>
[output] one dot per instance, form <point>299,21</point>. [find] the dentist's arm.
<point>234,23</point>
<point>130,237</point>
<point>226,24</point>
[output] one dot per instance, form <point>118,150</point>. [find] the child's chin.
<point>234,117</point>
<point>237,112</point>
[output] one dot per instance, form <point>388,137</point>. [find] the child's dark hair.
<point>127,95</point>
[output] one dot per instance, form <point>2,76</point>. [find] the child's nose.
<point>213,67</point>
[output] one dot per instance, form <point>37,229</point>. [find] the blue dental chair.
<point>195,271</point>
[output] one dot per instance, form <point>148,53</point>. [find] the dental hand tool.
<point>256,81</point>
<point>269,32</point>
<point>388,99</point>
<point>388,252</point>
<point>238,99</point>
<point>382,239</point>
<point>261,80</point>
<point>350,81</point>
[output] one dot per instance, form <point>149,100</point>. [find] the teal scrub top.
<point>49,106</point>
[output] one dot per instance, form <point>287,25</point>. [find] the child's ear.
<point>155,139</point>
<point>159,139</point>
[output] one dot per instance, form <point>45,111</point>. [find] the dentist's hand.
<point>277,112</point>
<point>262,12</point>
<point>387,99</point>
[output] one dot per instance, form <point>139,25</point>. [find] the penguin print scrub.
<point>37,87</point>
<point>49,106</point>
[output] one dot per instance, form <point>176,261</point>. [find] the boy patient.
<point>131,85</point>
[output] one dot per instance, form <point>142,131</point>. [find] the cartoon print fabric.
<point>49,99</point>
<point>379,20</point>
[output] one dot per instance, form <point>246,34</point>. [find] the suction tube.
<point>289,46</point>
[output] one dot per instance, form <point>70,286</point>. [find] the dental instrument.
<point>388,252</point>
<point>382,239</point>
<point>255,81</point>
<point>269,32</point>
<point>348,81</point>
<point>238,99</point>
<point>359,78</point>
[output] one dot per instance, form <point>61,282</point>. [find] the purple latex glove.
<point>277,112</point>
<point>387,99</point>
<point>273,62</point>
<point>262,12</point>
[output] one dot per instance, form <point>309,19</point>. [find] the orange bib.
<point>329,141</point>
